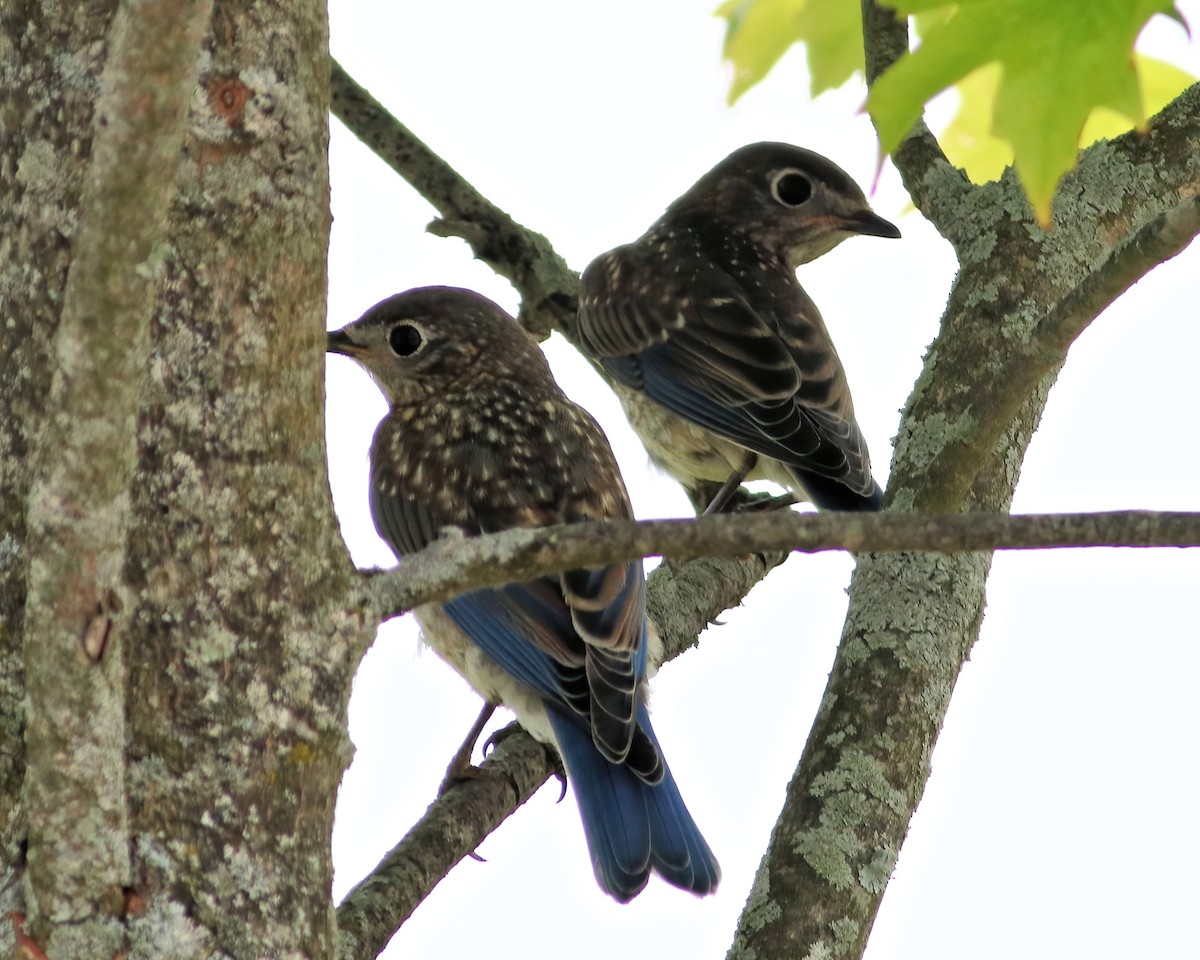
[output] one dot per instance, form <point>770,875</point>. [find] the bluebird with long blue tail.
<point>479,438</point>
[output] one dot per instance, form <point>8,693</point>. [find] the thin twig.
<point>919,156</point>
<point>453,566</point>
<point>549,288</point>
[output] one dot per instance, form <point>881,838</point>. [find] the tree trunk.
<point>226,664</point>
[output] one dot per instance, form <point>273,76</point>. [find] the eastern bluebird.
<point>720,359</point>
<point>479,437</point>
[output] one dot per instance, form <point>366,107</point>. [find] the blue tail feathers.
<point>632,827</point>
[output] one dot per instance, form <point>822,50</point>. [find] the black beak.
<point>871,224</point>
<point>338,341</point>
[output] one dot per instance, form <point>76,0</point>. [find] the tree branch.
<point>1022,295</point>
<point>549,288</point>
<point>885,39</point>
<point>1158,241</point>
<point>75,800</point>
<point>47,114</point>
<point>453,826</point>
<point>931,180</point>
<point>451,567</point>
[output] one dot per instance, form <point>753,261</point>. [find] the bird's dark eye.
<point>791,188</point>
<point>405,339</point>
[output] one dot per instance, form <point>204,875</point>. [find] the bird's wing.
<point>627,304</point>
<point>407,525</point>
<point>531,632</point>
<point>695,344</point>
<point>578,639</point>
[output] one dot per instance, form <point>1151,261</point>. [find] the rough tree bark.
<point>201,782</point>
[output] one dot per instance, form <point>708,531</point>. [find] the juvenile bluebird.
<point>720,359</point>
<point>480,438</point>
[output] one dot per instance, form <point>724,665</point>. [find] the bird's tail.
<point>632,827</point>
<point>827,493</point>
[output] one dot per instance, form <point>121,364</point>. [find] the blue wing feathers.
<point>487,619</point>
<point>810,454</point>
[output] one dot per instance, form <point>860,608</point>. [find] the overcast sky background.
<point>1061,816</point>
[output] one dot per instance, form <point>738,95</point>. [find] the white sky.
<point>1061,816</point>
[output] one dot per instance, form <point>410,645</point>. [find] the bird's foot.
<point>499,736</point>
<point>460,767</point>
<point>557,770</point>
<point>758,502</point>
<point>556,763</point>
<point>720,501</point>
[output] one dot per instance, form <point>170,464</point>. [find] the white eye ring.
<point>407,339</point>
<point>791,187</point>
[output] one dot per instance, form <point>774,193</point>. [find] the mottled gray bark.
<point>1021,297</point>
<point>46,106</point>
<point>83,456</point>
<point>201,823</point>
<point>238,695</point>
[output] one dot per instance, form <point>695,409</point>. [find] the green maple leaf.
<point>969,142</point>
<point>1055,62</point>
<point>759,32</point>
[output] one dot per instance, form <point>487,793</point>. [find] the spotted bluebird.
<point>479,437</point>
<point>720,359</point>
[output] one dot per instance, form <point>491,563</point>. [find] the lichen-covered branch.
<point>995,401</point>
<point>1164,237</point>
<point>549,288</point>
<point>1021,295</point>
<point>74,797</point>
<point>453,826</point>
<point>44,147</point>
<point>450,567</point>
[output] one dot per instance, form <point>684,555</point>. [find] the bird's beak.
<point>338,341</point>
<point>871,224</point>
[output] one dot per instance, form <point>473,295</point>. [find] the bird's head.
<point>791,201</point>
<point>433,341</point>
